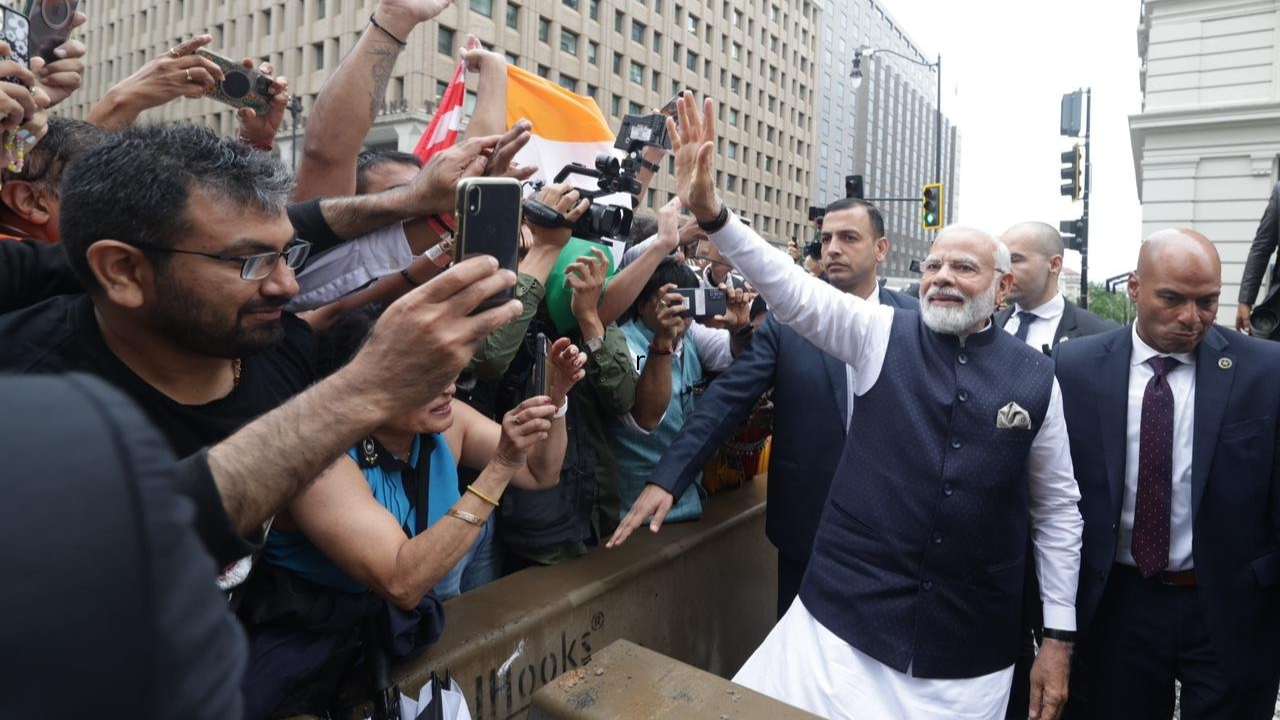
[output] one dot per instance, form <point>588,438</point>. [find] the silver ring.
<point>189,78</point>
<point>515,417</point>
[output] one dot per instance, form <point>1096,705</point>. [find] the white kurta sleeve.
<point>715,346</point>
<point>839,323</point>
<point>1055,517</point>
<point>350,266</point>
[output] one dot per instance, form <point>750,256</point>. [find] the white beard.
<point>957,320</point>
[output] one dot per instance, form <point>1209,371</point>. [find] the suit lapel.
<point>1113,410</point>
<point>1002,317</point>
<point>1067,325</point>
<point>1213,387</point>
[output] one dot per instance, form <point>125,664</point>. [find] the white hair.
<point>956,320</point>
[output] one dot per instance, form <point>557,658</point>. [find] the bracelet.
<point>472,489</point>
<point>387,32</point>
<point>465,516</point>
<point>720,221</point>
<point>655,350</point>
<point>264,147</point>
<point>1060,635</point>
<point>564,408</point>
<point>404,273</point>
<point>745,331</point>
<point>441,254</point>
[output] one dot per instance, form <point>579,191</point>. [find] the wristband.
<point>650,166</point>
<point>441,254</point>
<point>404,273</point>
<point>373,21</point>
<point>655,350</point>
<point>744,331</point>
<point>1068,636</point>
<point>564,408</point>
<point>720,221</point>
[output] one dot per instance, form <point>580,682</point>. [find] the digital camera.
<point>242,87</point>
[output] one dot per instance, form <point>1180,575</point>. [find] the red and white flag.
<point>445,124</point>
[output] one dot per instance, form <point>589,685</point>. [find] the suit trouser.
<point>790,573</point>
<point>1144,636</point>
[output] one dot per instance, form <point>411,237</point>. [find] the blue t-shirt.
<point>293,551</point>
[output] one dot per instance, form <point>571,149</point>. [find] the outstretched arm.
<point>350,99</point>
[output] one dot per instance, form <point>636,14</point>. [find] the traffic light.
<point>853,187</point>
<point>1072,172</point>
<point>931,210</point>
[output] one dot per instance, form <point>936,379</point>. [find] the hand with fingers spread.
<point>62,76</point>
<point>566,200</point>
<point>565,363</point>
<point>584,278</point>
<point>526,425</point>
<point>693,142</point>
<point>434,189</point>
<point>423,339</point>
<point>260,130</point>
<point>652,505</point>
<point>177,73</point>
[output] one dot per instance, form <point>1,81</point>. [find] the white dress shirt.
<point>857,332</point>
<point>1040,334</point>
<point>1182,382</point>
<point>873,299</point>
<point>350,266</point>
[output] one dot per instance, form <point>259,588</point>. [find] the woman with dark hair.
<point>387,522</point>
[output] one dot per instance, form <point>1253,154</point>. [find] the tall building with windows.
<point>1206,143</point>
<point>753,56</point>
<point>882,129</point>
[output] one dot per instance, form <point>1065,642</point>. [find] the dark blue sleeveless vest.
<point>919,558</point>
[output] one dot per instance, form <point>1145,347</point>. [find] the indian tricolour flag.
<point>567,127</point>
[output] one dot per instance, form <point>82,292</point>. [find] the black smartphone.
<point>50,26</point>
<point>17,33</point>
<point>670,108</point>
<point>489,214</point>
<point>539,378</point>
<point>702,303</point>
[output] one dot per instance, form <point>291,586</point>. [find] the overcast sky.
<point>1005,66</point>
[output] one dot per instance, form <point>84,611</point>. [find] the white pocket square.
<point>1013,417</point>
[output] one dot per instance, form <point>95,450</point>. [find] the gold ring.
<point>189,78</point>
<point>515,417</point>
<point>173,52</point>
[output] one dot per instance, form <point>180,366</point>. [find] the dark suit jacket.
<point>810,407</point>
<point>1264,246</point>
<point>1235,484</point>
<point>1076,322</point>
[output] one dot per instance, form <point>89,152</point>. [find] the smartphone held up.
<point>241,87</point>
<point>488,211</point>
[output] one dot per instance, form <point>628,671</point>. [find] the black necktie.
<point>1150,542</point>
<point>1024,324</point>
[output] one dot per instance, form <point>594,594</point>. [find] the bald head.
<point>1178,246</point>
<point>1035,253</point>
<point>1176,288</point>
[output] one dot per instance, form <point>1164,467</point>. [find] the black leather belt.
<point>1176,578</point>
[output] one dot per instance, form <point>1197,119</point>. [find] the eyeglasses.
<point>258,266</point>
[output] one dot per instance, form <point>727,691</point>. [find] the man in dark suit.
<point>1038,314</point>
<point>1041,317</point>
<point>1255,266</point>
<point>1173,429</point>
<point>810,397</point>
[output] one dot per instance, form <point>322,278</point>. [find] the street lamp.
<point>856,74</point>
<point>295,109</point>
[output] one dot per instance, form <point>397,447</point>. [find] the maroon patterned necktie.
<point>1155,472</point>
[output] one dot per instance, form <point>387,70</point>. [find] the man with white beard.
<point>911,605</point>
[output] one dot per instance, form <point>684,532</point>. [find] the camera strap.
<point>544,215</point>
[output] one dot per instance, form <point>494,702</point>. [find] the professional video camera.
<point>612,176</point>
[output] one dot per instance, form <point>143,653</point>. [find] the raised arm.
<point>653,391</point>
<point>177,73</point>
<point>839,323</point>
<point>626,285</point>
<point>350,99</point>
<point>490,114</point>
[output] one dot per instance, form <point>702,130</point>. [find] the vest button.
<point>927,584</point>
<point>962,359</point>
<point>955,444</point>
<point>937,538</point>
<point>963,395</point>
<point>947,489</point>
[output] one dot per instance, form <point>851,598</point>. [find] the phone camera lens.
<point>56,13</point>
<point>236,85</point>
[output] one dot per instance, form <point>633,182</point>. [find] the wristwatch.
<point>593,345</point>
<point>1061,635</point>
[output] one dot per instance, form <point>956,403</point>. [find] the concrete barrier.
<point>628,681</point>
<point>703,593</point>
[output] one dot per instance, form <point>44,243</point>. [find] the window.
<point>675,51</point>
<point>654,80</point>
<point>637,73</point>
<point>444,40</point>
<point>691,60</point>
<point>593,49</point>
<point>320,10</point>
<point>544,72</point>
<point>568,83</point>
<point>615,106</point>
<point>618,18</point>
<point>731,182</point>
<point>512,58</point>
<point>544,29</point>
<point>441,87</point>
<point>569,41</point>
<point>484,7</point>
<point>733,117</point>
<point>657,41</point>
<point>513,16</point>
<point>571,3</point>
<point>593,9</point>
<point>592,90</point>
<point>318,50</point>
<point>734,83</point>
<point>617,63</point>
<point>692,25</point>
<point>633,108</point>
<point>637,31</point>
<point>733,150</point>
